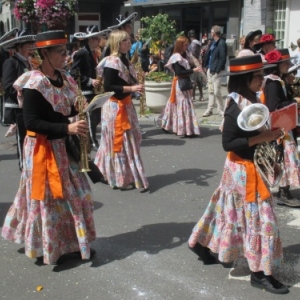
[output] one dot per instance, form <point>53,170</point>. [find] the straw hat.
<point>21,37</point>
<point>246,64</point>
<point>51,38</point>
<point>277,56</point>
<point>92,31</point>
<point>8,34</point>
<point>266,39</point>
<point>123,21</point>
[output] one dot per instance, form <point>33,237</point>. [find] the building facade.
<point>236,17</point>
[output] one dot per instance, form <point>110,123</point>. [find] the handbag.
<point>73,149</point>
<point>185,83</point>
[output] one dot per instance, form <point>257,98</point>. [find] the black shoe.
<point>204,254</point>
<point>165,131</point>
<point>284,197</point>
<point>268,283</point>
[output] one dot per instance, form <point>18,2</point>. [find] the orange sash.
<point>254,182</point>
<point>44,168</point>
<point>173,90</point>
<point>121,123</point>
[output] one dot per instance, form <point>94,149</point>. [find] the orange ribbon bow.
<point>121,123</point>
<point>44,168</point>
<point>254,182</point>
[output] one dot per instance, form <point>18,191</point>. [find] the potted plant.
<point>159,31</point>
<point>157,90</point>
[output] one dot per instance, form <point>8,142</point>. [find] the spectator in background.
<point>204,51</point>
<point>199,78</point>
<point>242,44</point>
<point>215,64</point>
<point>296,59</point>
<point>145,57</point>
<point>136,45</point>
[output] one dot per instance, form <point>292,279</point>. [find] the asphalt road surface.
<point>142,238</point>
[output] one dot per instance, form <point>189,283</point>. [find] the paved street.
<point>142,237</point>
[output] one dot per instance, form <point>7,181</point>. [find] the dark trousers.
<point>94,120</point>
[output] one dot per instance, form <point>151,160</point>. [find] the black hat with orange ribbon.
<point>51,38</point>
<point>278,55</point>
<point>246,64</point>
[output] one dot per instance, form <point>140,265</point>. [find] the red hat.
<point>266,38</point>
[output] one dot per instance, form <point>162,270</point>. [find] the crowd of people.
<point>52,213</point>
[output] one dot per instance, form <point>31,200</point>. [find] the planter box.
<point>157,95</point>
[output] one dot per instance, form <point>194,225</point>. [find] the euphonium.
<point>84,141</point>
<point>267,156</point>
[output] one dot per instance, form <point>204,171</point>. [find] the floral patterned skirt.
<point>52,227</point>
<point>180,117</point>
<point>125,167</point>
<point>233,227</point>
<point>291,165</point>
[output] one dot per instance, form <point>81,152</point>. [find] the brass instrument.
<point>267,157</point>
<point>84,141</point>
<point>140,79</point>
<point>296,87</point>
<point>100,88</point>
<point>135,57</point>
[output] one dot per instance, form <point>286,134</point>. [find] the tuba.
<point>83,141</point>
<point>267,156</point>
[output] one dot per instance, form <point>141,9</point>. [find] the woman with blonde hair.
<point>118,156</point>
<point>179,114</point>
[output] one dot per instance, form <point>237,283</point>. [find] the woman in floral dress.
<point>240,220</point>
<point>118,156</point>
<point>179,114</point>
<point>278,95</point>
<point>53,210</point>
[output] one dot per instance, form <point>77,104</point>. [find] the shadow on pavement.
<point>206,131</point>
<point>8,156</point>
<point>188,176</point>
<point>288,273</point>
<point>150,239</point>
<point>163,142</point>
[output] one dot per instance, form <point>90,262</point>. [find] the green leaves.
<point>160,28</point>
<point>158,77</point>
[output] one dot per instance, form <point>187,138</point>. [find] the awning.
<point>159,2</point>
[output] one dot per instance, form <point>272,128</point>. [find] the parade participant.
<point>124,24</point>
<point>4,54</point>
<point>179,115</point>
<point>240,219</point>
<point>277,96</point>
<point>14,67</point>
<point>118,157</point>
<point>215,65</point>
<point>86,60</point>
<point>252,38</point>
<point>53,209</point>
<point>266,43</point>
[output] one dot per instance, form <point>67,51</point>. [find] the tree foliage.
<point>160,29</point>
